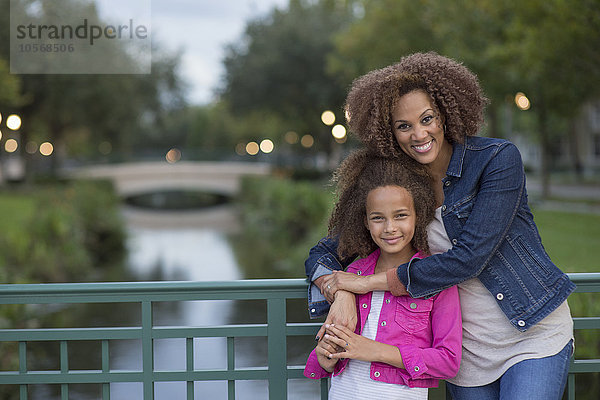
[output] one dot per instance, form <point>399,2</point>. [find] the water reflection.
<point>159,249</point>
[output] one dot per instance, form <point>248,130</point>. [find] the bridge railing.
<point>277,330</point>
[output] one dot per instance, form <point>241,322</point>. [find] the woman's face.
<point>418,128</point>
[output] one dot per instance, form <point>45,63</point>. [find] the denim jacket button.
<point>365,305</point>
<point>313,310</point>
<point>444,207</point>
<point>521,322</point>
<point>312,374</point>
<point>413,305</point>
<point>358,272</point>
<point>387,301</point>
<point>500,296</point>
<point>454,241</point>
<point>383,323</point>
<point>377,374</point>
<point>417,368</point>
<point>447,183</point>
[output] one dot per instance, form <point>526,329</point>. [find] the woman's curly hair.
<point>454,89</point>
<point>363,171</point>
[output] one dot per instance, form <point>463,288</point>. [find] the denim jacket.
<point>494,238</point>
<point>427,332</point>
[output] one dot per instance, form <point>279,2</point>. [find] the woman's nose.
<point>420,132</point>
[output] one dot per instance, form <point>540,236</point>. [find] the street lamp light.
<point>328,117</point>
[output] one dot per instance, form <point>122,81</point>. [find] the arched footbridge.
<point>136,178</point>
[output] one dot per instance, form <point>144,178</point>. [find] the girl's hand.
<point>341,313</point>
<point>358,347</point>
<point>324,348</point>
<point>354,346</point>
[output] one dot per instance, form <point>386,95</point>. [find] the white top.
<point>355,380</point>
<point>491,344</point>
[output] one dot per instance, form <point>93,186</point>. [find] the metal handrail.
<point>275,292</point>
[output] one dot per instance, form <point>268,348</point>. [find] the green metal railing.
<point>275,292</point>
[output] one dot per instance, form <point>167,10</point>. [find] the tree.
<point>280,66</point>
<point>77,112</point>
<point>546,49</point>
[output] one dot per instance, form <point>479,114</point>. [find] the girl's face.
<point>391,220</point>
<point>418,129</point>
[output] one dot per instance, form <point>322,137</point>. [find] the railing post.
<point>147,350</point>
<point>277,349</point>
<point>23,369</point>
<point>571,387</point>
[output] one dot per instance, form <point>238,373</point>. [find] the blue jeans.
<point>534,379</point>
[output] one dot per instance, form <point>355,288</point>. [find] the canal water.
<point>198,246</point>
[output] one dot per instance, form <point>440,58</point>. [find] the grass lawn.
<point>571,239</point>
<point>16,209</point>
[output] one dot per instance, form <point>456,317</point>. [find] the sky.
<point>200,29</point>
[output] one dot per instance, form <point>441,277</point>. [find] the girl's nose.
<point>390,226</point>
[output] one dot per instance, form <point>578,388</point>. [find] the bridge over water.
<point>135,178</point>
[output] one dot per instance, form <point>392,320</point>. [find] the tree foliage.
<point>77,112</point>
<point>279,66</point>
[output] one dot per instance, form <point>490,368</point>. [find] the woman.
<point>517,328</point>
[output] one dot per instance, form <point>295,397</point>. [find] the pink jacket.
<point>428,333</point>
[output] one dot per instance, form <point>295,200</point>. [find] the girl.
<point>401,346</point>
<point>517,327</point>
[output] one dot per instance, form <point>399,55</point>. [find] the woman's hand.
<point>354,283</point>
<point>342,312</point>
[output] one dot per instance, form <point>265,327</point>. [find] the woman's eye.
<point>400,216</point>
<point>427,120</point>
<point>403,127</point>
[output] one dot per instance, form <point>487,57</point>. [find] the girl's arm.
<point>442,359</point>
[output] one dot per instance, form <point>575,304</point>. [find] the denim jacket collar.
<point>456,161</point>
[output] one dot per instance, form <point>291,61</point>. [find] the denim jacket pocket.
<point>463,211</point>
<point>413,315</point>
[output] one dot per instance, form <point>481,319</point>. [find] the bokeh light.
<point>105,148</point>
<point>46,149</point>
<point>291,137</point>
<point>31,147</point>
<point>307,141</point>
<point>328,117</point>
<point>339,131</point>
<point>13,122</point>
<point>240,149</point>
<point>252,148</point>
<point>267,146</point>
<point>173,156</point>
<point>11,146</point>
<point>522,101</point>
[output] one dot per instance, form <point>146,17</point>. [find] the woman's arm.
<point>321,261</point>
<point>501,188</point>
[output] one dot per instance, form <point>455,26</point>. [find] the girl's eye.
<point>400,216</point>
<point>376,218</point>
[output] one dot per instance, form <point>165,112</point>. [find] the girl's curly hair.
<point>363,171</point>
<point>453,88</point>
